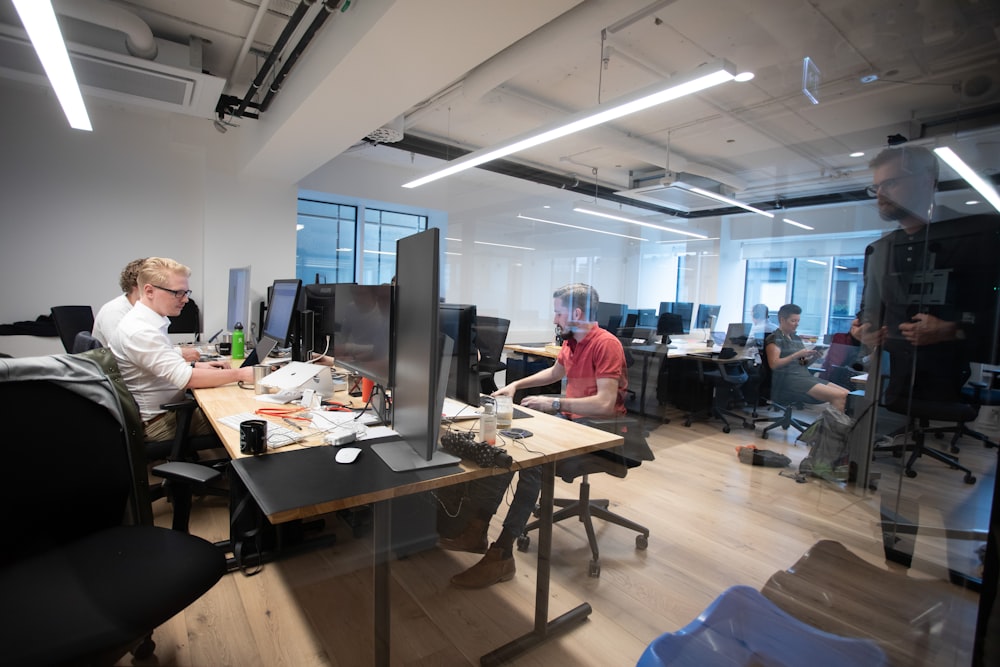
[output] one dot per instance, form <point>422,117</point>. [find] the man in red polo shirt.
<point>593,362</point>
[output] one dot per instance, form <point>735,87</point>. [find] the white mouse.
<point>348,454</point>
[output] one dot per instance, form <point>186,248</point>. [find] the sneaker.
<point>472,539</point>
<point>491,569</point>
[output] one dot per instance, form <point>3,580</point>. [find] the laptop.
<point>261,350</point>
<point>737,335</point>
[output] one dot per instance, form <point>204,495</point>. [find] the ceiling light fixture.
<point>970,176</point>
<point>503,245</point>
<point>706,76</point>
<point>590,209</point>
<point>727,200</point>
<point>797,224</point>
<point>816,261</point>
<point>39,20</point>
<point>585,229</point>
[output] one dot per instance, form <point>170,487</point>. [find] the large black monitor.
<point>683,308</point>
<point>319,298</point>
<point>610,315</point>
<point>282,309</point>
<point>238,306</point>
<point>707,316</point>
<point>364,326</point>
<point>458,322</point>
<point>418,389</point>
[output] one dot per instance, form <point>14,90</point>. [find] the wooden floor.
<point>714,523</point>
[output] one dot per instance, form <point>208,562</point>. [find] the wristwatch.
<point>556,405</point>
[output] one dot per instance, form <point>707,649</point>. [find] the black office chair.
<point>189,321</point>
<point>70,320</point>
<point>183,447</point>
<point>724,381</point>
<point>780,400</point>
<point>947,406</point>
<point>615,462</point>
<point>491,334</point>
<point>79,587</point>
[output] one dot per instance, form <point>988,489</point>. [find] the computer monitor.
<point>707,316</point>
<point>667,325</point>
<point>364,326</point>
<point>683,308</point>
<point>319,298</point>
<point>610,315</point>
<point>647,317</point>
<point>282,310</point>
<point>458,322</point>
<point>418,389</point>
<point>238,309</point>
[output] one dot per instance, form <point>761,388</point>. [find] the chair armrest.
<point>180,471</point>
<point>186,404</point>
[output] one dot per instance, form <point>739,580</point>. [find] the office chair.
<point>615,462</point>
<point>919,412</point>
<point>725,381</point>
<point>189,321</point>
<point>183,447</point>
<point>491,334</point>
<point>79,585</point>
<point>71,319</point>
<point>780,401</point>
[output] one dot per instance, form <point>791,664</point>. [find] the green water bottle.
<point>238,341</point>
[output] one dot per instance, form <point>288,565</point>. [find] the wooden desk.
<point>321,486</point>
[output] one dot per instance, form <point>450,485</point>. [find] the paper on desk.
<point>327,420</point>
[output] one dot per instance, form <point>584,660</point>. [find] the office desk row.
<point>302,480</point>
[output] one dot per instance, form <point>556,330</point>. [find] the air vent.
<point>164,83</point>
<point>675,193</point>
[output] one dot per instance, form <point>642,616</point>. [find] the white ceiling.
<point>468,73</point>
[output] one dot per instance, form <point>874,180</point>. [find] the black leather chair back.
<point>70,320</point>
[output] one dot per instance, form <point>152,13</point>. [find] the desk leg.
<point>381,552</point>
<point>543,627</point>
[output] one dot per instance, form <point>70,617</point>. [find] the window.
<point>328,243</point>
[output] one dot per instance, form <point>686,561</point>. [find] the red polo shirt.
<point>598,355</point>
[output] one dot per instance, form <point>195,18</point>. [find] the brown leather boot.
<point>472,539</point>
<point>491,569</point>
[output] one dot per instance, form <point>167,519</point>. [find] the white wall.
<point>78,206</point>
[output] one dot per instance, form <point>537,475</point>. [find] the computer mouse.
<point>348,454</point>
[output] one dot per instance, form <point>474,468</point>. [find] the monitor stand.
<point>401,457</point>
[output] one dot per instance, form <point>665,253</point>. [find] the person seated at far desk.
<point>593,362</point>
<point>154,371</point>
<point>788,360</point>
<point>111,313</point>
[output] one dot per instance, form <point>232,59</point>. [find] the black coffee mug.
<point>253,436</point>
<point>225,349</point>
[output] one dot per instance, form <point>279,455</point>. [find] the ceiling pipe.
<point>138,36</point>
<point>248,41</point>
<point>328,8</point>
<point>279,45</point>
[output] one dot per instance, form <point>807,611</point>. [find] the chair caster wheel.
<point>522,542</point>
<point>641,542</point>
<point>726,429</point>
<point>911,473</point>
<point>970,479</point>
<point>595,569</point>
<point>764,435</point>
<point>144,649</point>
<point>955,450</point>
<point>687,423</point>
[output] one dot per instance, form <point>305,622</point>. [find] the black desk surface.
<point>284,482</point>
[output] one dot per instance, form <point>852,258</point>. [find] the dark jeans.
<point>490,494</point>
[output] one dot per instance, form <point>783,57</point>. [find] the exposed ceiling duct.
<point>167,77</point>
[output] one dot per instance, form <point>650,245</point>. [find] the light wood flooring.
<point>714,523</point>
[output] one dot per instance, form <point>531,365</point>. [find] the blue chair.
<point>742,627</point>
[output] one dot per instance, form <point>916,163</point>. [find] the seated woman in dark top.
<point>789,359</point>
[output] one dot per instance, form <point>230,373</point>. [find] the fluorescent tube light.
<point>816,261</point>
<point>591,210</point>
<point>586,229</point>
<point>727,200</point>
<point>970,176</point>
<point>706,76</point>
<point>39,20</point>
<point>798,224</point>
<point>503,245</point>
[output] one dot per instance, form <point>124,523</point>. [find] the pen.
<point>291,422</point>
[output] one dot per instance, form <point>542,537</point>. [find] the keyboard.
<point>277,435</point>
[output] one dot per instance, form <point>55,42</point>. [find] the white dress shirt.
<point>108,318</point>
<point>153,369</point>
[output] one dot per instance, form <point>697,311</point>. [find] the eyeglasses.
<point>178,293</point>
<point>872,190</point>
